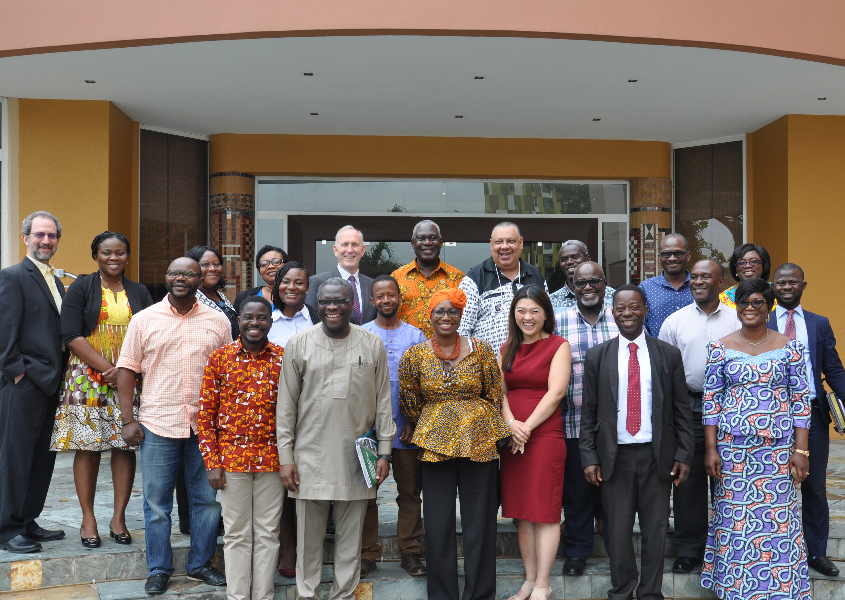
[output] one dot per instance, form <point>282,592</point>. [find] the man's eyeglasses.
<point>39,235</point>
<point>275,262</point>
<point>421,239</point>
<point>749,263</point>
<point>334,301</point>
<point>756,304</point>
<point>439,313</point>
<point>675,253</point>
<point>582,283</point>
<point>185,274</point>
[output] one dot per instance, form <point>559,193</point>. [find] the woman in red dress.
<point>535,367</point>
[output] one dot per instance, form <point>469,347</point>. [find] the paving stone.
<point>600,584</point>
<point>59,571</point>
<point>26,574</point>
<point>5,577</point>
<point>575,587</point>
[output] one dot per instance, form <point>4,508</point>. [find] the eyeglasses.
<point>40,236</point>
<point>421,239</point>
<point>335,301</point>
<point>675,253</point>
<point>582,283</point>
<point>756,304</point>
<point>275,262</point>
<point>749,263</point>
<point>185,274</point>
<point>439,313</point>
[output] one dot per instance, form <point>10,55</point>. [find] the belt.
<point>695,394</point>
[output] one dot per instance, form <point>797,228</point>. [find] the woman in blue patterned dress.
<point>756,415</point>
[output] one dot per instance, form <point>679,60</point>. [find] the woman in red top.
<point>535,366</point>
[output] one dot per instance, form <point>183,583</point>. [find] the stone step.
<point>390,582</point>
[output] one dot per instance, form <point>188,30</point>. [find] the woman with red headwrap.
<point>451,389</point>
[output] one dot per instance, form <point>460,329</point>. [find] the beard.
<point>43,252</point>
<point>592,303</point>
<point>386,314</point>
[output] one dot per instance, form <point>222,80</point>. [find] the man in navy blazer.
<point>814,331</point>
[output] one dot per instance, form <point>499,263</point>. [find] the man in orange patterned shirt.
<point>418,280</point>
<point>236,427</point>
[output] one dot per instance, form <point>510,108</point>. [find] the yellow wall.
<point>770,204</point>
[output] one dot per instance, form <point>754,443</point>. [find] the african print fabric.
<point>728,297</point>
<point>89,416</point>
<point>416,291</point>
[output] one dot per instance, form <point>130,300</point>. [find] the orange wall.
<point>769,173</point>
<point>388,156</point>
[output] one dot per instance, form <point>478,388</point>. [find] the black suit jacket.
<point>368,311</point>
<point>823,355</point>
<point>31,336</point>
<point>673,437</point>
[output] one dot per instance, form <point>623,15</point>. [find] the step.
<point>390,582</point>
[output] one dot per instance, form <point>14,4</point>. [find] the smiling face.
<point>42,241</point>
<point>629,311</point>
<point>506,247</point>
<point>349,250</point>
<point>268,271</point>
<point>386,298</point>
<point>746,270</point>
<point>112,257</point>
<point>212,270</point>
<point>570,257</point>
<point>674,255</point>
<point>592,292</point>
<point>705,281</point>
<point>750,316</point>
<point>427,243</point>
<point>445,325</point>
<point>529,317</point>
<point>293,287</point>
<point>789,286</point>
<point>255,321</point>
<point>334,308</point>
<point>182,286</point>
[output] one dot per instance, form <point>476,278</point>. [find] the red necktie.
<point>789,330</point>
<point>356,306</point>
<point>634,395</point>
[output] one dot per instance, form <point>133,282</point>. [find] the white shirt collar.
<point>780,311</point>
<point>639,341</point>
<point>303,312</point>
<point>346,274</point>
<point>719,308</point>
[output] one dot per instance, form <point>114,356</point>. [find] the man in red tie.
<point>636,439</point>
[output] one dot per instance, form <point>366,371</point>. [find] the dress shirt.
<point>571,326</point>
<point>284,328</point>
<point>416,290</point>
<point>644,434</point>
<point>663,300</point>
<point>397,342</point>
<point>236,423</point>
<point>802,336</point>
<point>49,274</point>
<point>691,330</point>
<point>171,351</point>
<point>346,275</point>
<point>565,298</point>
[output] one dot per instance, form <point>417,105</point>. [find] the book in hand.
<point>837,412</point>
<point>367,448</point>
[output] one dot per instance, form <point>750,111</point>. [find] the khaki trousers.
<point>311,519</point>
<point>252,510</point>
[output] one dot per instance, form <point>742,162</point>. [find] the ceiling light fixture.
<point>90,81</point>
<point>309,74</point>
<point>822,98</point>
<point>596,119</point>
<point>479,77</point>
<point>459,116</point>
<point>632,81</point>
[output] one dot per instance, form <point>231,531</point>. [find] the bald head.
<point>589,286</point>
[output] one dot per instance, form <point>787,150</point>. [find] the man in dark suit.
<point>814,331</point>
<point>348,249</point>
<point>636,438</point>
<point>32,362</point>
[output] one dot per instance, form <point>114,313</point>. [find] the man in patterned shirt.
<point>236,427</point>
<point>419,279</point>
<point>490,287</point>
<point>587,324</point>
<point>572,254</point>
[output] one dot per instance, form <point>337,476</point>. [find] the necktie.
<point>632,424</point>
<point>789,330</point>
<point>356,305</point>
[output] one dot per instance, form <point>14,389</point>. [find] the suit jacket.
<point>31,336</point>
<point>823,355</point>
<point>368,311</point>
<point>673,437</point>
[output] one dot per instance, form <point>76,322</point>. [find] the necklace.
<point>754,343</point>
<point>438,351</point>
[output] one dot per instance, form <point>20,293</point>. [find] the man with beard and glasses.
<point>169,344</point>
<point>587,324</point>
<point>32,362</point>
<point>397,336</point>
<point>670,291</point>
<point>572,254</point>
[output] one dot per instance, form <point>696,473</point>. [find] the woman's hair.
<point>755,286</point>
<point>745,249</point>
<point>107,235</point>
<point>515,336</point>
<point>277,302</point>
<point>197,252</point>
<point>268,248</point>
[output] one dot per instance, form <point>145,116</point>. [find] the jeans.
<point>161,458</point>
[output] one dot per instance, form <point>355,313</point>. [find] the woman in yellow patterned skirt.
<point>95,315</point>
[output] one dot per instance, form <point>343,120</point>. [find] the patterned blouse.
<point>416,291</point>
<point>457,415</point>
<point>236,423</point>
<point>765,395</point>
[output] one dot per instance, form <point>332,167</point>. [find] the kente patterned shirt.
<point>236,424</point>
<point>565,298</point>
<point>765,396</point>
<point>458,415</point>
<point>416,290</point>
<point>728,297</point>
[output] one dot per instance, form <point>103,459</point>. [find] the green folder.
<point>366,447</point>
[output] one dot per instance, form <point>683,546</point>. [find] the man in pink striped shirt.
<point>169,344</point>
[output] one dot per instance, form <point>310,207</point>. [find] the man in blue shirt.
<point>397,336</point>
<point>669,291</point>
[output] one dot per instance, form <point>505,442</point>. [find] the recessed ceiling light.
<point>479,77</point>
<point>596,119</point>
<point>822,98</point>
<point>632,81</point>
<point>309,74</point>
<point>459,116</point>
<point>90,81</point>
<point>314,114</point>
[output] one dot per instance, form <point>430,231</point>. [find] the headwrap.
<point>454,295</point>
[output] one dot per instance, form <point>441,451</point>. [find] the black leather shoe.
<point>574,566</point>
<point>685,564</point>
<point>367,566</point>
<point>823,565</point>
<point>45,535</point>
<point>208,575</point>
<point>20,544</point>
<point>156,584</point>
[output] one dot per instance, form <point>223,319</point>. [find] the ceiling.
<point>416,85</point>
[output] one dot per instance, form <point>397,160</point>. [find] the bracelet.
<point>509,422</point>
<point>804,452</point>
<point>127,423</point>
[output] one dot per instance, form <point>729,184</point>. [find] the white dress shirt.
<point>346,275</point>
<point>284,328</point>
<point>644,434</point>
<point>801,336</point>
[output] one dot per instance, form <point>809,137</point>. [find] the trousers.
<point>690,498</point>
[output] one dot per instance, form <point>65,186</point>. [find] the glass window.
<point>615,253</point>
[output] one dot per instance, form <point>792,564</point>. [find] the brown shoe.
<point>412,563</point>
<point>366,567</point>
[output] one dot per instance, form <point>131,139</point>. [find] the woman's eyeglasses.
<point>275,262</point>
<point>749,263</point>
<point>439,313</point>
<point>756,304</point>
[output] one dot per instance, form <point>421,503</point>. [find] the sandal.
<point>541,593</point>
<point>527,587</point>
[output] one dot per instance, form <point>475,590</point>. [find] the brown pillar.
<point>231,222</point>
<point>651,219</point>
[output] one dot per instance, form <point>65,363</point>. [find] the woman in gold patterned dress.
<point>95,315</point>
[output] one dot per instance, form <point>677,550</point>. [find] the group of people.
<point>459,380</point>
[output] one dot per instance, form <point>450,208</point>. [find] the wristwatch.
<point>386,457</point>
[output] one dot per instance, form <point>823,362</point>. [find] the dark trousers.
<point>816,513</point>
<point>690,498</point>
<point>634,489</point>
<point>476,484</point>
<point>579,499</point>
<point>26,463</point>
<point>182,505</point>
